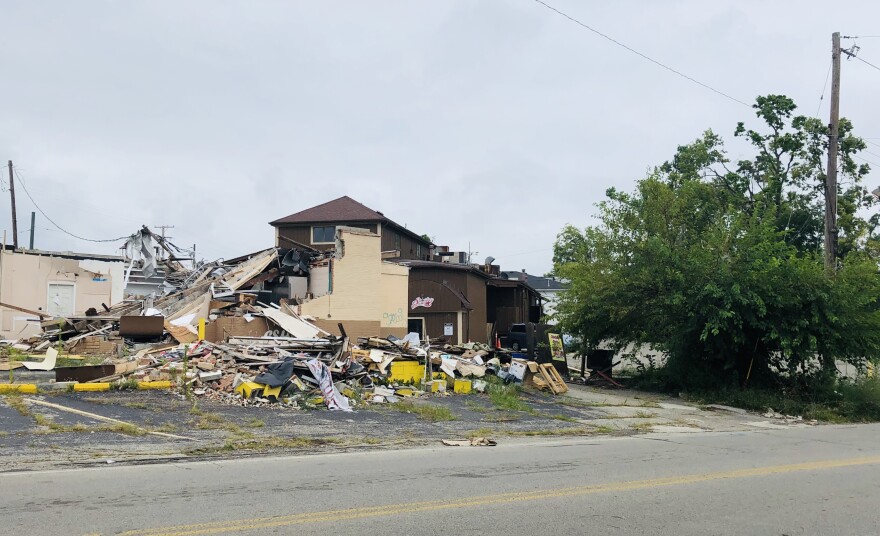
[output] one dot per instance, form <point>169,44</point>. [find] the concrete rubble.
<point>212,335</point>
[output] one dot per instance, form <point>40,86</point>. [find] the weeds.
<point>263,444</point>
<point>644,415</point>
<point>506,397</point>
<point>256,423</point>
<point>18,404</point>
<point>642,426</point>
<point>129,384</point>
<point>845,401</point>
<point>428,412</point>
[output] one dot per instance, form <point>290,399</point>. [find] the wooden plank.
<point>23,310</point>
<point>557,384</point>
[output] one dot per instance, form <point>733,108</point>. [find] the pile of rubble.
<point>210,334</point>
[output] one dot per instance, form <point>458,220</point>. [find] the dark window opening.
<point>323,234</point>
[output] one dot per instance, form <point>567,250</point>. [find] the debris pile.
<point>221,330</point>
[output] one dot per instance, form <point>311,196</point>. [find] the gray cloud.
<point>491,122</point>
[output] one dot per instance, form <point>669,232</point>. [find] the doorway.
<point>416,325</point>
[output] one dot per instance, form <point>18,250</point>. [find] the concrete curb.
<point>24,388</point>
<point>33,388</point>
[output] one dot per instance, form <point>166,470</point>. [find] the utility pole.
<point>14,219</point>
<point>33,221</point>
<point>831,175</point>
<point>163,227</point>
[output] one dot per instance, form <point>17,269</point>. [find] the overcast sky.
<point>489,122</point>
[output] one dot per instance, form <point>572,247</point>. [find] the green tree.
<point>719,264</point>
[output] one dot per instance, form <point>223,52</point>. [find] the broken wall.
<point>364,288</point>
<point>26,281</point>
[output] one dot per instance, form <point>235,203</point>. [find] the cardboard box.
<point>517,368</point>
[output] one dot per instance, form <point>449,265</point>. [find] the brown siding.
<point>434,325</point>
<point>427,282</point>
<point>302,234</point>
<point>476,286</point>
<point>408,245</point>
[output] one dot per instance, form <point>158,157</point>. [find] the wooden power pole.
<point>14,218</point>
<point>831,175</point>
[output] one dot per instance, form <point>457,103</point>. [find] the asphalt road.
<point>819,480</point>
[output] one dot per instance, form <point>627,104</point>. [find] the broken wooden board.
<point>181,334</point>
<point>557,384</point>
<point>296,326</point>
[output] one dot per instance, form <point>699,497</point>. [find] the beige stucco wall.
<point>364,287</point>
<point>25,279</point>
<point>394,295</point>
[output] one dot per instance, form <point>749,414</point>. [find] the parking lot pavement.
<point>75,429</point>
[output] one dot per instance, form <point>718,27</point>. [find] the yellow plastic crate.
<point>462,387</point>
<point>406,371</point>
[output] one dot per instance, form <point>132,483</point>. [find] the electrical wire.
<point>866,62</point>
<point>824,87</point>
<point>637,53</point>
<point>866,160</point>
<point>63,230</point>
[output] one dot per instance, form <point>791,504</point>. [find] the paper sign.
<point>447,330</point>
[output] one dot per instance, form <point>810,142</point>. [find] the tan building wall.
<point>364,288</point>
<point>394,295</point>
<point>53,285</point>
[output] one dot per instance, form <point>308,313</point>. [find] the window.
<point>323,235</point>
<point>397,241</point>
<point>419,250</point>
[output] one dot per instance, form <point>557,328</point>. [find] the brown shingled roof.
<point>342,209</point>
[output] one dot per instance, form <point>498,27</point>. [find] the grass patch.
<point>128,384</point>
<point>42,420</point>
<point>604,429</point>
<point>256,423</point>
<point>479,408</point>
<point>574,403</point>
<point>506,397</point>
<point>18,404</point>
<point>565,418</point>
<point>551,432</point>
<point>644,415</point>
<point>846,401</point>
<point>136,405</point>
<point>264,444</point>
<point>167,428</point>
<point>481,432</point>
<point>118,428</point>
<point>428,412</point>
<point>504,417</point>
<point>641,426</point>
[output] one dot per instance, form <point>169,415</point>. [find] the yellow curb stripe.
<point>415,507</point>
<point>155,385</point>
<point>26,388</point>
<point>91,387</point>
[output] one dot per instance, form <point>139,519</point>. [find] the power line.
<point>20,181</point>
<point>637,53</point>
<point>866,62</point>
<point>866,160</point>
<point>824,87</point>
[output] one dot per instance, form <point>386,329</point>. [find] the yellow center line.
<point>240,525</point>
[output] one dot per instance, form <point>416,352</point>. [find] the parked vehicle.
<point>516,338</point>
